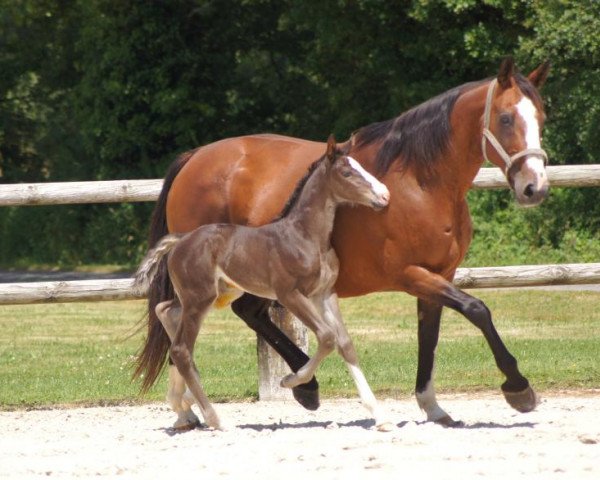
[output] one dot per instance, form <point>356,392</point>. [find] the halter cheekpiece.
<point>489,136</point>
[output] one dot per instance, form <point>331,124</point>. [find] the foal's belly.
<point>229,290</point>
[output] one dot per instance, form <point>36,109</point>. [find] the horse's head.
<point>512,125</point>
<point>350,182</point>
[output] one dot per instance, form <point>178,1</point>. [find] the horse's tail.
<point>152,356</point>
<point>149,267</point>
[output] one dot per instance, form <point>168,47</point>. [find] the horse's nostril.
<point>528,192</point>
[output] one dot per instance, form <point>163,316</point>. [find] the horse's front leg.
<point>255,312</point>
<point>434,288</point>
<point>429,315</point>
<point>348,353</point>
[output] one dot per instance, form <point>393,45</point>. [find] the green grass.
<point>82,353</point>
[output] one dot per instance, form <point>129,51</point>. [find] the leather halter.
<point>489,136</point>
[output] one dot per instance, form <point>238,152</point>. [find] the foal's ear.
<point>331,148</point>
<point>507,70</point>
<point>539,75</point>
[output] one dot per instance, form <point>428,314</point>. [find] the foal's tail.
<point>150,265</point>
<point>152,356</point>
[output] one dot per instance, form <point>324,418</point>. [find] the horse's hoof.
<point>524,401</point>
<point>307,394</point>
<point>449,422</point>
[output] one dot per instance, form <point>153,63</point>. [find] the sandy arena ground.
<point>280,440</point>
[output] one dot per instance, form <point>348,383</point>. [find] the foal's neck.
<point>314,210</point>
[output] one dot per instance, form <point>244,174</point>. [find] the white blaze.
<point>527,111</point>
<point>378,187</point>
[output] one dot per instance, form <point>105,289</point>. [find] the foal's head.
<point>512,126</point>
<point>350,182</point>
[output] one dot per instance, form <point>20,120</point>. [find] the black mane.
<point>298,189</point>
<point>420,136</point>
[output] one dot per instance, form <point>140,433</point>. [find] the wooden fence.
<point>270,367</point>
<point>148,190</point>
<point>114,191</point>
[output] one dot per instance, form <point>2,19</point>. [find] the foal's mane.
<point>420,136</point>
<point>298,189</point>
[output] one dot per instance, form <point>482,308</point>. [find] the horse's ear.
<point>540,74</point>
<point>331,148</point>
<point>507,70</point>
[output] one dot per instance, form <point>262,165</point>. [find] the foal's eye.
<point>346,173</point>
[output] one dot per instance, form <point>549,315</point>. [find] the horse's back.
<point>242,180</point>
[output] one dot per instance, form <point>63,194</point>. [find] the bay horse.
<point>290,260</point>
<point>428,158</point>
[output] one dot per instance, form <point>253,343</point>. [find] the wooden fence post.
<point>271,368</point>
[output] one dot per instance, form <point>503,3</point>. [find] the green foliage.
<point>554,232</point>
<point>109,89</point>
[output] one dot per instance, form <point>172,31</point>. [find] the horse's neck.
<point>314,211</point>
<point>464,159</point>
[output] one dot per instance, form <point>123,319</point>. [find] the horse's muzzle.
<point>530,196</point>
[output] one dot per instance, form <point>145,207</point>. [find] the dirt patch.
<point>561,440</point>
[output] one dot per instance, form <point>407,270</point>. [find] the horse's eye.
<point>346,173</point>
<point>506,119</point>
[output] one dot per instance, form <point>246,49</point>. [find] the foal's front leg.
<point>348,353</point>
<point>304,309</point>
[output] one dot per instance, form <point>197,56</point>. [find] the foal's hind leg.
<point>178,395</point>
<point>182,351</point>
<point>348,353</point>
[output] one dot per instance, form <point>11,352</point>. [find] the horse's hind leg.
<point>255,312</point>
<point>348,353</point>
<point>178,395</point>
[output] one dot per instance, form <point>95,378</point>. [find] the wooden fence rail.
<point>480,277</point>
<point>147,190</point>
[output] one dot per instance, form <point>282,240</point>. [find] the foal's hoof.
<point>524,401</point>
<point>307,394</point>
<point>184,426</point>
<point>385,427</point>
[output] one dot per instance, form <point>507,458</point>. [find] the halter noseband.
<point>489,136</point>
